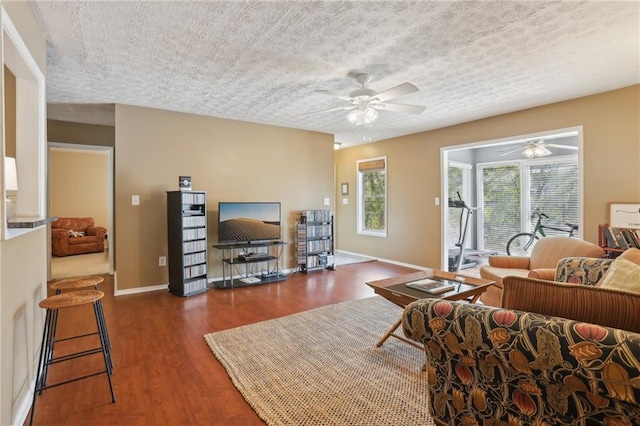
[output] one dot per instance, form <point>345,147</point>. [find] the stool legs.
<point>106,353</point>
<point>46,353</point>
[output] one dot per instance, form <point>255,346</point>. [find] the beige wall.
<point>79,133</point>
<point>23,270</point>
<point>79,184</point>
<point>611,127</point>
<point>231,160</point>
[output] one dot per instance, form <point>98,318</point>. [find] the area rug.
<point>322,367</point>
<point>344,258</point>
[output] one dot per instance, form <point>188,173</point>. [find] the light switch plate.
<point>345,201</point>
<point>437,201</point>
<point>135,200</point>
<point>327,201</point>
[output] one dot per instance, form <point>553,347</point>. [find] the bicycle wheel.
<point>521,244</point>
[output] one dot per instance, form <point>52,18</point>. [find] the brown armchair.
<point>542,263</point>
<point>76,236</point>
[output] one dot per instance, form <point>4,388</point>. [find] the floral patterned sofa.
<point>76,236</point>
<point>555,352</point>
<point>496,366</point>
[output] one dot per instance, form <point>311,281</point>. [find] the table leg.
<point>390,332</point>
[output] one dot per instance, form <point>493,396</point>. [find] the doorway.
<point>81,185</point>
<point>468,169</point>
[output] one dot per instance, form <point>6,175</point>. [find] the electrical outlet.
<point>135,200</point>
<point>162,261</point>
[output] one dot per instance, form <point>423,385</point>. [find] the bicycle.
<point>522,243</point>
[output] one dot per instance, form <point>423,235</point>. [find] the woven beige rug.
<point>322,367</point>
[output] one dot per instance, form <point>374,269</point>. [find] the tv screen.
<point>247,222</point>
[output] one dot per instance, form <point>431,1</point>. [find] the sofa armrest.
<point>543,274</point>
<point>513,262</point>
<point>97,231</point>
<point>606,307</point>
<point>59,241</point>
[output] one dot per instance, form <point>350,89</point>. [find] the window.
<point>511,192</point>
<point>372,197</point>
<point>500,186</point>
<point>459,177</point>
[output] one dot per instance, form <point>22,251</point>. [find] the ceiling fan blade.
<point>396,92</point>
<point>335,95</point>
<point>512,151</point>
<point>408,109</point>
<point>575,148</point>
<point>344,108</point>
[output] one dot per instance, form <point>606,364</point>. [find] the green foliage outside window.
<point>501,205</point>
<point>374,184</point>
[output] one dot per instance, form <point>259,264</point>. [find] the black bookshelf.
<point>187,242</point>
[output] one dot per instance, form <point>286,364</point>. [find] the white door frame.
<point>81,147</point>
<point>444,166</point>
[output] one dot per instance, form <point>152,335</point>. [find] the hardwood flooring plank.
<point>164,371</point>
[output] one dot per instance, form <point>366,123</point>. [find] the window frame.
<point>360,210</point>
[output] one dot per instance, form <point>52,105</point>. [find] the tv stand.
<point>240,263</point>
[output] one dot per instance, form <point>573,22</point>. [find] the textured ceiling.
<point>262,61</point>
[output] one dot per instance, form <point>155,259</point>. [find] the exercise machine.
<point>457,260</point>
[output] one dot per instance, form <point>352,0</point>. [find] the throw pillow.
<point>73,234</point>
<point>623,275</point>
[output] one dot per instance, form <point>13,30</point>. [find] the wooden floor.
<point>164,372</point>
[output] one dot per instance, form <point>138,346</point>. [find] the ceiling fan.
<point>538,148</point>
<point>365,103</point>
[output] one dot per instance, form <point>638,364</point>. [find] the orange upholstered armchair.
<point>542,263</point>
<point>76,236</point>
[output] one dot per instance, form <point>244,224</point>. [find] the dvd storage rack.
<point>314,240</point>
<point>187,242</point>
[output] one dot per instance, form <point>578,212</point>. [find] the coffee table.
<point>394,289</point>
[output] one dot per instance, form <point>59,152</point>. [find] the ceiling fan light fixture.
<point>370,115</point>
<point>362,116</point>
<point>536,151</point>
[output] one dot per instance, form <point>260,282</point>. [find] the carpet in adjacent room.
<point>79,265</point>
<point>343,258</point>
<point>322,367</point>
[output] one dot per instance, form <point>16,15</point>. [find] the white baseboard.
<point>141,289</point>
<point>394,262</point>
<point>24,406</point>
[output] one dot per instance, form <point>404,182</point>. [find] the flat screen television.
<point>246,222</point>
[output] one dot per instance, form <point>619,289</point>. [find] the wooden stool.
<point>76,284</point>
<point>52,305</point>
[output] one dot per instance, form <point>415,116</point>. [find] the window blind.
<point>500,204</point>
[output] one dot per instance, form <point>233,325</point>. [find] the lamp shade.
<point>10,174</point>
